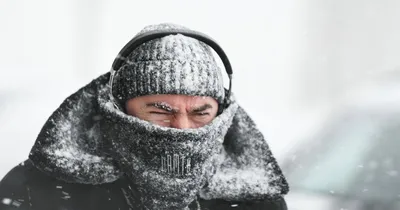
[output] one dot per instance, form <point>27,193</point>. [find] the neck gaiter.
<point>166,166</point>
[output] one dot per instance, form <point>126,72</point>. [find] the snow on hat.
<point>174,64</point>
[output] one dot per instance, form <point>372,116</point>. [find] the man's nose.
<point>181,122</point>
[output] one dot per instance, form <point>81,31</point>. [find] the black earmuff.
<point>145,37</point>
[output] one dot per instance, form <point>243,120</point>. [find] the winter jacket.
<point>46,181</point>
<point>25,187</point>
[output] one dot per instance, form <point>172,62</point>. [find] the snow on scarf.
<point>72,147</point>
<point>167,165</point>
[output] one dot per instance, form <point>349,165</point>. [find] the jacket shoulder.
<point>13,187</point>
<point>17,176</point>
<point>26,187</point>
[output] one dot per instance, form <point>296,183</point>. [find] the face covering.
<point>167,166</point>
<point>73,147</point>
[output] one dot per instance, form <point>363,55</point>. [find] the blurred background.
<point>320,78</point>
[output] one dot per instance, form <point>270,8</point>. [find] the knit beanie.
<point>174,64</point>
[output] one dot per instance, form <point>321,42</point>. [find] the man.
<point>157,132</point>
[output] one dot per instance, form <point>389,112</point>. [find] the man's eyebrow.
<point>202,108</point>
<point>162,105</point>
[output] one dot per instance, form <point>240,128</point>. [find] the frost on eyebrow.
<point>162,105</point>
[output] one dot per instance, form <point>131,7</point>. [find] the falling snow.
<point>6,201</point>
<point>87,120</point>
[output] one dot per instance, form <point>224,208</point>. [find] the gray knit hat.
<point>174,64</point>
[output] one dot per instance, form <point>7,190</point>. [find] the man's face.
<point>175,111</point>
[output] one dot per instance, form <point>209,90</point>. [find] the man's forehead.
<point>179,101</point>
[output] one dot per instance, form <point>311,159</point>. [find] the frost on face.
<point>247,169</point>
<point>168,166</point>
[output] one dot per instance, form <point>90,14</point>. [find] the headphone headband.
<point>147,36</point>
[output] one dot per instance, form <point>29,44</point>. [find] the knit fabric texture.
<point>167,165</point>
<point>73,146</point>
<point>174,64</point>
<point>88,140</point>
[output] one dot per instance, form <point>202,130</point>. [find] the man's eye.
<point>203,114</point>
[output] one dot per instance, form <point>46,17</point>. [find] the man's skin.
<point>175,111</point>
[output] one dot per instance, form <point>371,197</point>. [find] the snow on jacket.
<point>69,167</point>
